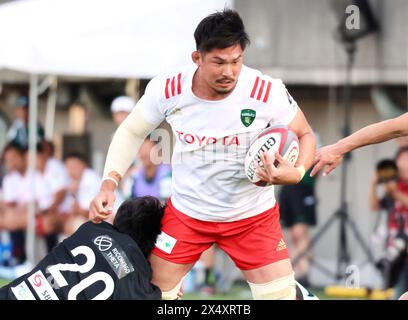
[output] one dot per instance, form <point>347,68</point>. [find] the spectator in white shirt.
<point>46,187</point>
<point>84,185</point>
<point>12,214</point>
<point>54,181</point>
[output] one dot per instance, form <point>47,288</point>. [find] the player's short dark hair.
<point>140,218</point>
<point>221,30</point>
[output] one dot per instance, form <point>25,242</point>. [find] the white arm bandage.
<point>126,143</point>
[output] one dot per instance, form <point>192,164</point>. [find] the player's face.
<point>220,68</point>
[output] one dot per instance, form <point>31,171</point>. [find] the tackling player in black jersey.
<point>99,261</point>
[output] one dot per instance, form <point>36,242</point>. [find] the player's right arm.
<point>331,156</point>
<point>126,142</point>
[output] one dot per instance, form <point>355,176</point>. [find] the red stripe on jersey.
<point>254,88</point>
<point>260,90</point>
<point>179,83</point>
<point>173,88</point>
<point>268,89</point>
<point>167,88</point>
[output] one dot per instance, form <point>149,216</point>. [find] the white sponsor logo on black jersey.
<point>114,255</point>
<point>104,243</point>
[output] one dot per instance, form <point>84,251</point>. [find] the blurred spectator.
<point>120,108</point>
<point>298,213</point>
<point>151,179</point>
<point>18,131</point>
<point>14,204</point>
<point>396,196</point>
<point>56,181</point>
<point>46,186</point>
<point>83,186</point>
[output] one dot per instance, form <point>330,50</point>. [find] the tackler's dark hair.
<point>221,30</point>
<point>140,219</point>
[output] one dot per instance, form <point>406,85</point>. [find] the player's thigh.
<point>270,272</point>
<point>166,274</point>
<point>180,244</point>
<point>259,248</point>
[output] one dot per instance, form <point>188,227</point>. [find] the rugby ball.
<point>270,140</point>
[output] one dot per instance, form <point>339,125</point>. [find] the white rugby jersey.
<point>212,138</point>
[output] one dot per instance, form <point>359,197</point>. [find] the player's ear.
<point>196,57</point>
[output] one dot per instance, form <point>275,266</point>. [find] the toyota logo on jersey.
<point>103,243</point>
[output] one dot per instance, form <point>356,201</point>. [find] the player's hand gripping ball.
<point>271,140</point>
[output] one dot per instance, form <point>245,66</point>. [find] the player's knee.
<point>173,294</point>
<point>283,288</point>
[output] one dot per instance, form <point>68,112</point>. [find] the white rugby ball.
<point>270,140</point>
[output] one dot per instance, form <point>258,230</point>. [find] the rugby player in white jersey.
<point>215,108</point>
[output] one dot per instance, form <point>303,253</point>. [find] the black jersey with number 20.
<point>96,262</point>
